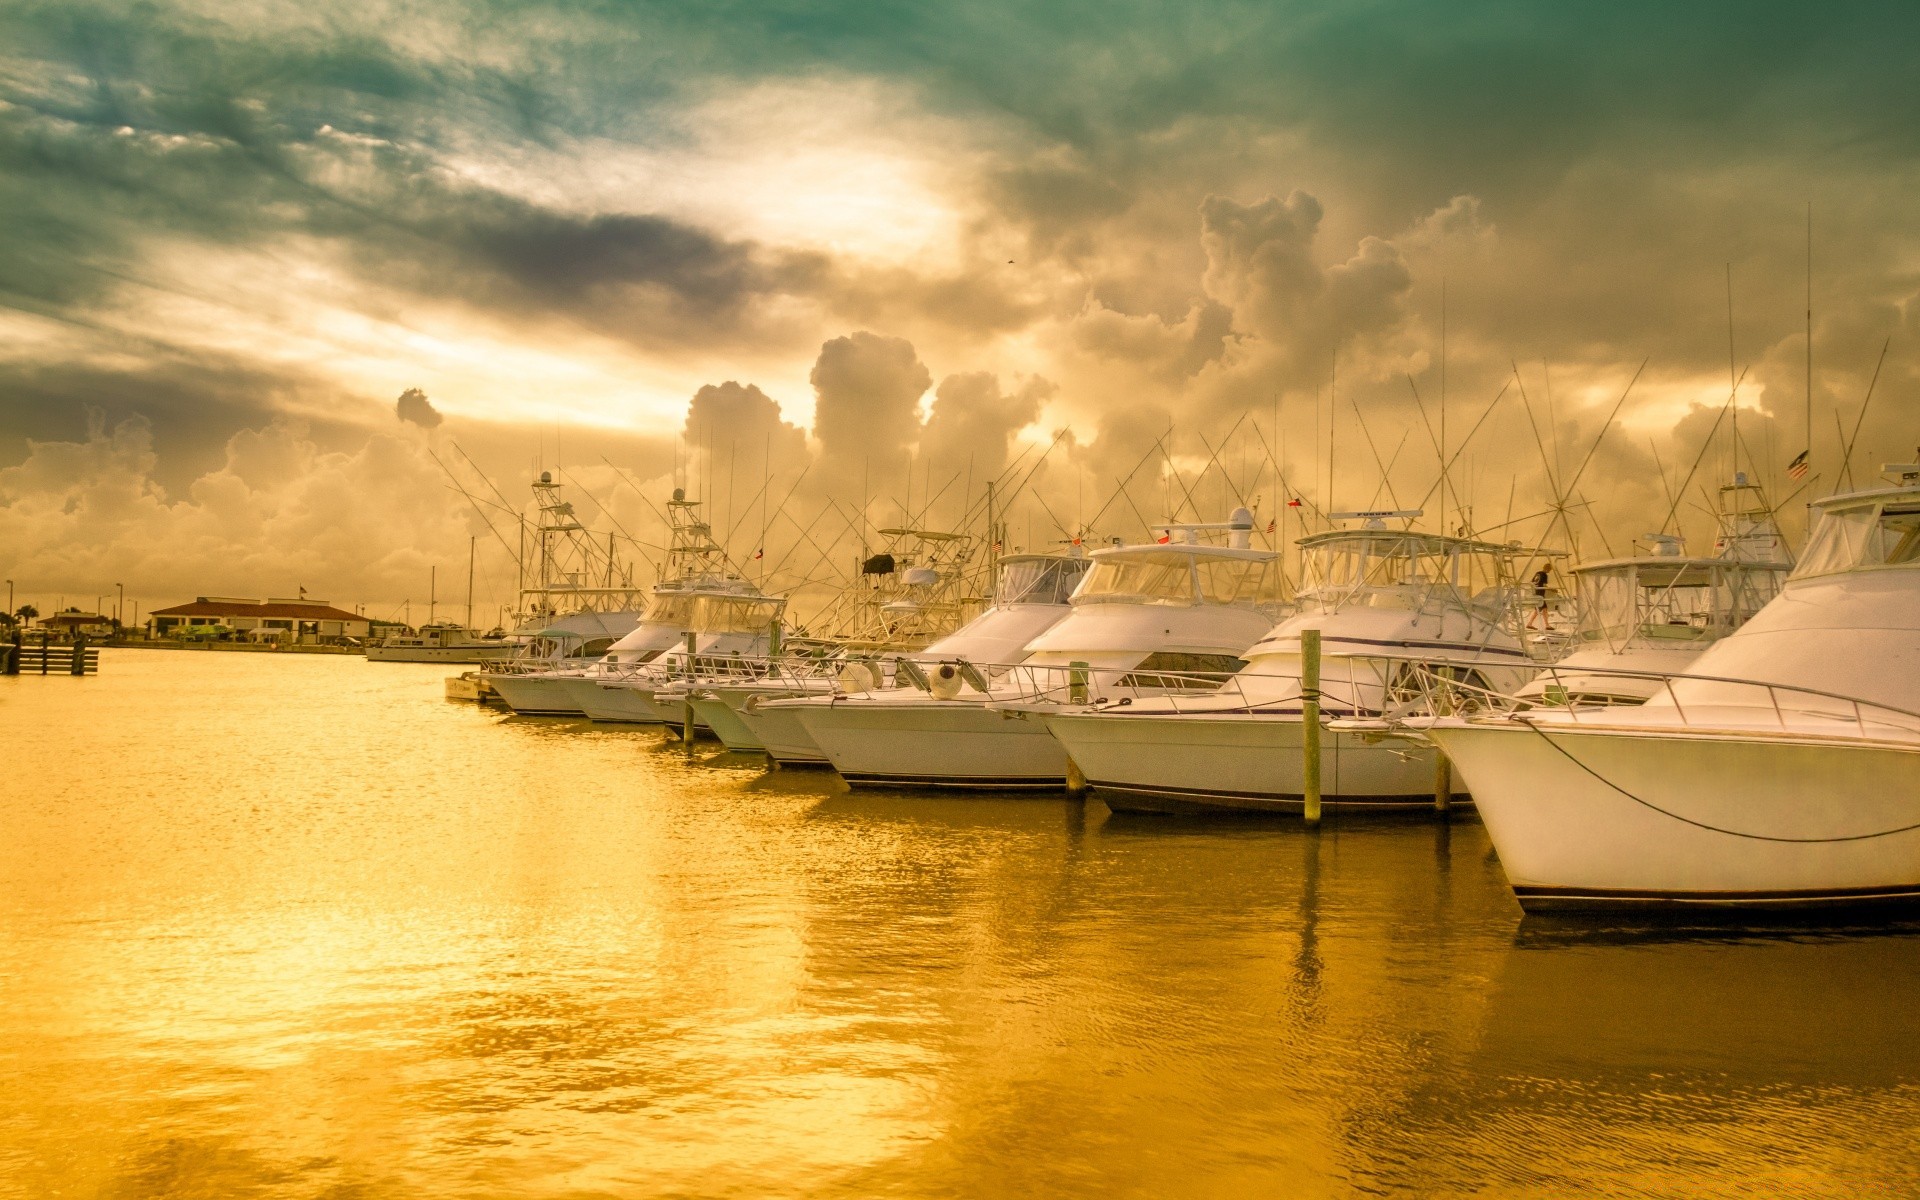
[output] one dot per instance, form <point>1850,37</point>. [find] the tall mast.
<point>470,547</point>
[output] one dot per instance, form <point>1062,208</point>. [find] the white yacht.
<point>1141,619</point>
<point>1646,616</point>
<point>1386,602</point>
<point>1782,768</point>
<point>933,726</point>
<point>533,682</point>
<point>442,643</point>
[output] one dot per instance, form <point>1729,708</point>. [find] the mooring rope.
<point>1757,837</point>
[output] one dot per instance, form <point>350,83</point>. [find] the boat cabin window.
<point>1176,669</point>
<point>1039,580</point>
<point>1386,560</point>
<point>1866,536</point>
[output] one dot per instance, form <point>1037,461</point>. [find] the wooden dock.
<point>56,658</point>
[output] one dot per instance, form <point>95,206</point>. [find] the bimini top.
<point>1175,573</point>
<point>1863,531</point>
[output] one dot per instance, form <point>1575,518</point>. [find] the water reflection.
<point>364,942</point>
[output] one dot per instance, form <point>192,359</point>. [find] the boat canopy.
<point>1038,578</point>
<point>1175,574</point>
<point>1670,599</point>
<point>1346,559</point>
<point>1864,531</point>
<point>736,614</point>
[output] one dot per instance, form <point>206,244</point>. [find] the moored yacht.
<point>1386,602</point>
<point>441,643</point>
<point>1141,618</point>
<point>732,626</point>
<point>1781,768</point>
<point>932,727</point>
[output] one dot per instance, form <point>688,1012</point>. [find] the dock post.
<point>12,664</point>
<point>45,654</point>
<point>1076,779</point>
<point>1310,723</point>
<point>1442,765</point>
<point>78,666</point>
<point>1077,682</point>
<point>686,718</point>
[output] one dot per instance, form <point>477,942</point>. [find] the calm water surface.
<point>296,926</point>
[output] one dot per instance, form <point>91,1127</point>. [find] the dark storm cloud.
<point>414,408</point>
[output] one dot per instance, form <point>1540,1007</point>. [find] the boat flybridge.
<point>1387,603</point>
<point>1141,615</point>
<point>1647,616</point>
<point>1782,768</point>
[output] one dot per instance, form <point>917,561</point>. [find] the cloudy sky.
<point>260,263</point>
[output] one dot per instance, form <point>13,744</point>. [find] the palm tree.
<point>25,613</point>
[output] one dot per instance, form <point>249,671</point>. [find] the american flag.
<point>1270,526</point>
<point>1294,503</point>
<point>1797,469</point>
<point>760,553</point>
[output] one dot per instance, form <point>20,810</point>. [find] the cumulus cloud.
<point>867,391</point>
<point>414,408</point>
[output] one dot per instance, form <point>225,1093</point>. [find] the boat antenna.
<point>1864,405</point>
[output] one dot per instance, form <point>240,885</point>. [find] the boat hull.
<point>620,705</point>
<point>1238,763</point>
<point>439,654</point>
<point>726,725</point>
<point>780,733</point>
<point>536,695</point>
<point>935,744</point>
<point>1587,818</point>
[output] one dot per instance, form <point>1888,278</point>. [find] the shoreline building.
<point>297,620</point>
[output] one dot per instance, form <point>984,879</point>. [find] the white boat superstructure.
<point>1782,768</point>
<point>1647,616</point>
<point>1387,603</point>
<point>927,727</point>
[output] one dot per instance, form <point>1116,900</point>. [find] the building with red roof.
<point>296,620</point>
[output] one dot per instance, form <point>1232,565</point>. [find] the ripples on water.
<point>295,926</point>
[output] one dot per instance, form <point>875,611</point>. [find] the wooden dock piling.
<point>1310,722</point>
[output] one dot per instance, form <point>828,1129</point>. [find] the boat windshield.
<point>1039,580</point>
<point>1172,578</point>
<point>1870,535</point>
<point>1138,579</point>
<point>671,608</point>
<point>736,614</point>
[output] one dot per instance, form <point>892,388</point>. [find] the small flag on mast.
<point>1294,503</point>
<point>1797,469</point>
<point>1270,526</point>
<point>760,553</point>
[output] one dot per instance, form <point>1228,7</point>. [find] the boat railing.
<point>1563,691</point>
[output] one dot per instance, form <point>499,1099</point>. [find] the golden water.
<point>296,926</point>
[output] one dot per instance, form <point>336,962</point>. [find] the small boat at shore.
<point>442,643</point>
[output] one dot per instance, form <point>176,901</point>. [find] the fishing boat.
<point>1781,769</point>
<point>1642,617</point>
<point>576,599</point>
<point>1386,602</point>
<point>1143,618</point>
<point>933,725</point>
